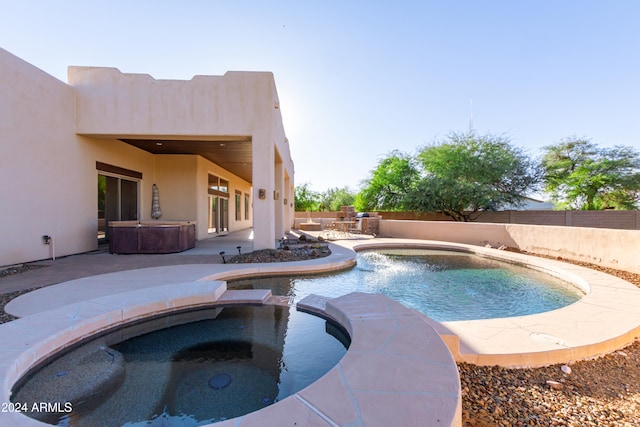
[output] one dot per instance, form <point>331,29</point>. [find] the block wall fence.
<point>606,238</point>
<point>623,220</point>
<point>619,249</point>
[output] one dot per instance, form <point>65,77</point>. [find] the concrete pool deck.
<point>605,320</point>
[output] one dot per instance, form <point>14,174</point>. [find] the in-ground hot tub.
<point>151,237</point>
<point>185,369</point>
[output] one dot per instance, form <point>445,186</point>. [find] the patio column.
<point>279,197</point>
<point>263,177</point>
<point>288,198</point>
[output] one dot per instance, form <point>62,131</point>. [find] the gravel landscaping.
<point>4,299</point>
<point>289,250</point>
<point>20,268</point>
<point>600,392</point>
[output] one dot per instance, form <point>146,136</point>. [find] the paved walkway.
<point>72,267</point>
<point>167,270</point>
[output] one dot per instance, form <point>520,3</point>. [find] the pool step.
<point>75,382</point>
<point>314,304</point>
<point>245,296</point>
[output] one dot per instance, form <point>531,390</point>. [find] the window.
<point>218,190</point>
<point>224,215</point>
<point>218,186</point>
<point>238,206</point>
<point>246,206</point>
<point>224,185</point>
<point>213,214</point>
<point>117,196</point>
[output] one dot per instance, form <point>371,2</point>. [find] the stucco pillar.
<point>279,197</point>
<point>287,199</point>
<point>263,177</point>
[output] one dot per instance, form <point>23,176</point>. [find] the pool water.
<point>187,369</point>
<point>444,285</point>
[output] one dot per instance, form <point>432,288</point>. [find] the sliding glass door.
<point>117,201</point>
<point>218,214</point>
<point>218,190</point>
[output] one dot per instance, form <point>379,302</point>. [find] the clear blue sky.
<point>358,79</point>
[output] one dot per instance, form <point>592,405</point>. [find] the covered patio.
<point>93,150</point>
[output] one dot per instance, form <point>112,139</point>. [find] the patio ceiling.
<point>232,153</point>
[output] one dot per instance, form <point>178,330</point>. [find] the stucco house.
<point>77,155</point>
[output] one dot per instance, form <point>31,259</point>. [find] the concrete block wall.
<point>371,225</point>
<point>611,248</point>
<point>347,213</point>
<point>625,220</point>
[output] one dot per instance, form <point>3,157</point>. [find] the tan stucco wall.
<point>48,173</point>
<point>176,177</point>
<point>111,103</point>
<point>205,168</point>
<point>38,143</point>
<point>117,153</point>
<point>609,248</point>
<point>52,134</point>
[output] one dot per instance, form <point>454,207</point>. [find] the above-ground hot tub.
<point>151,237</point>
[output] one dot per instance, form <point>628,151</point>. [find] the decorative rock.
<point>555,385</point>
<point>289,252</point>
<point>566,369</point>
<point>19,268</point>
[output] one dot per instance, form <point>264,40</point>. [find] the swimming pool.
<point>445,285</point>
<point>187,369</point>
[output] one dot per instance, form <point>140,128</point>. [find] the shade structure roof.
<point>233,153</point>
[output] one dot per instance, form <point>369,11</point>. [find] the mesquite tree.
<point>581,175</point>
<point>467,173</point>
